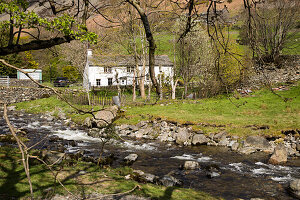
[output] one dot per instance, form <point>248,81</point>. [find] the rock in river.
<point>170,181</point>
<point>184,137</point>
<point>279,156</point>
<point>199,139</point>
<point>106,116</point>
<point>294,188</point>
<point>258,142</point>
<point>190,165</point>
<point>130,158</point>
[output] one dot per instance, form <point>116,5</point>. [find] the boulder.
<point>141,176</point>
<point>88,122</point>
<point>142,124</point>
<point>294,188</point>
<point>133,128</point>
<point>52,157</point>
<point>247,150</point>
<point>212,171</point>
<point>130,158</point>
<point>106,116</point>
<point>199,139</point>
<point>169,181</point>
<point>224,141</point>
<point>11,108</point>
<point>298,147</point>
<point>61,115</point>
<point>258,142</point>
<point>190,165</point>
<point>217,137</point>
<point>183,137</point>
<point>279,155</point>
<point>235,146</point>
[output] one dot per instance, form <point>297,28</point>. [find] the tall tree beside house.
<point>194,53</point>
<point>151,42</point>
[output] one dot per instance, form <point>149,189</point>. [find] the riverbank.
<point>83,179</point>
<point>252,113</point>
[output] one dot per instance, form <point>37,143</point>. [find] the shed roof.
<point>125,60</point>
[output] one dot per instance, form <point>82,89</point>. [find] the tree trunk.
<point>174,85</point>
<point>134,86</point>
<point>185,89</point>
<point>160,85</point>
<point>142,73</point>
<point>149,91</point>
<point>151,42</point>
<point>118,84</point>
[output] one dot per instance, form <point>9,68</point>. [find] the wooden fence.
<point>96,100</point>
<point>4,81</point>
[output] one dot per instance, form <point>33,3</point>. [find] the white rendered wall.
<point>96,72</point>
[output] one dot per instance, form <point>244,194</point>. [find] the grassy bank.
<point>237,115</point>
<point>14,185</point>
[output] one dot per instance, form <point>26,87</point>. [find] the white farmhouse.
<point>113,70</point>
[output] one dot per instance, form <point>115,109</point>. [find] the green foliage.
<point>31,63</point>
<point>29,19</point>
<point>70,72</point>
<point>14,59</point>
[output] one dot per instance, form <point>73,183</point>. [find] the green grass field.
<point>262,108</point>
<point>239,116</point>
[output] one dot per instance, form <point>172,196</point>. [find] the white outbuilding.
<point>119,69</point>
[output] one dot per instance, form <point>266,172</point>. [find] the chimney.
<point>89,52</point>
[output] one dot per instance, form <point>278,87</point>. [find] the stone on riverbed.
<point>258,142</point>
<point>294,188</point>
<point>224,141</point>
<point>199,139</point>
<point>143,177</point>
<point>169,181</point>
<point>298,147</point>
<point>279,156</point>
<point>130,158</point>
<point>212,171</point>
<point>88,122</point>
<point>247,150</point>
<point>52,157</point>
<point>190,165</point>
<point>106,116</point>
<point>235,146</point>
<point>183,137</point>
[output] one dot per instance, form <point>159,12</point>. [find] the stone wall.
<point>287,71</point>
<point>21,83</point>
<point>19,94</point>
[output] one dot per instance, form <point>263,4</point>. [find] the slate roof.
<point>125,60</point>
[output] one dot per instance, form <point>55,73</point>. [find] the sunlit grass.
<point>14,185</point>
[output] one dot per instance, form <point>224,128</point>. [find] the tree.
<point>194,53</point>
<point>269,27</point>
<point>151,42</point>
<point>64,28</point>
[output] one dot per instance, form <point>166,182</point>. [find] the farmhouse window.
<point>130,69</point>
<point>109,81</point>
<point>107,70</point>
<point>98,82</point>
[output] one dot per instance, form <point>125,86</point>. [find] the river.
<point>240,176</point>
